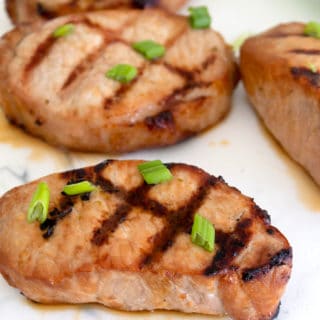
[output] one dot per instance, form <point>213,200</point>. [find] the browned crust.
<point>178,119</point>
<point>253,292</point>
<point>275,67</point>
<point>26,11</point>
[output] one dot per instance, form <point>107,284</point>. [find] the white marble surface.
<point>239,149</point>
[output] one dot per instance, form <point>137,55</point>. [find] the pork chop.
<point>56,88</point>
<point>127,244</point>
<point>280,71</point>
<point>26,11</point>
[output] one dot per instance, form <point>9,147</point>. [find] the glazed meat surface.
<point>26,11</point>
<point>127,244</point>
<point>56,88</point>
<point>280,70</point>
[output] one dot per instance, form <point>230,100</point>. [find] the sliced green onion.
<point>238,42</point>
<point>63,31</point>
<point>199,17</point>
<point>312,67</point>
<point>203,233</point>
<point>123,73</point>
<point>78,188</point>
<point>149,49</point>
<point>39,205</point>
<point>312,29</point>
<point>154,172</point>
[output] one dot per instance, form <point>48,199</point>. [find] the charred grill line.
<point>44,48</point>
<point>163,120</point>
<point>65,208</point>
<point>167,101</point>
<point>101,166</point>
<point>141,4</point>
<point>39,54</point>
<point>312,77</point>
<point>305,51</point>
<point>123,89</point>
<point>86,63</point>
<point>262,214</point>
<point>282,257</point>
<point>177,221</point>
<point>285,35</point>
<point>108,226</point>
<point>44,12</point>
<point>230,246</point>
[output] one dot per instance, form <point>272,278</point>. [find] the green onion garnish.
<point>63,31</point>
<point>123,73</point>
<point>199,17</point>
<point>312,29</point>
<point>149,49</point>
<point>203,233</point>
<point>238,42</point>
<point>39,205</point>
<point>78,188</point>
<point>312,67</point>
<point>154,172</point>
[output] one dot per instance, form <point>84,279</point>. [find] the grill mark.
<point>39,54</point>
<point>86,64</point>
<point>177,221</point>
<point>285,35</point>
<point>163,120</point>
<point>108,226</point>
<point>123,89</point>
<point>305,51</point>
<point>177,95</point>
<point>312,77</point>
<point>230,246</point>
<point>281,258</point>
<point>65,208</point>
<point>72,7</point>
<point>101,166</point>
<point>44,12</point>
<point>208,61</point>
<point>45,47</point>
<point>141,4</point>
<point>262,214</point>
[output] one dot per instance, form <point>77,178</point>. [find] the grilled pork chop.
<point>280,70</point>
<point>26,11</point>
<point>127,244</point>
<point>56,88</point>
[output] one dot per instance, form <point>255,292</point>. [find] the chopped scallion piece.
<point>149,49</point>
<point>238,42</point>
<point>78,188</point>
<point>312,67</point>
<point>63,31</point>
<point>203,233</point>
<point>312,29</point>
<point>39,205</point>
<point>123,73</point>
<point>199,17</point>
<point>154,172</point>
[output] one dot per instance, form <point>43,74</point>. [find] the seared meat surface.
<point>56,88</point>
<point>280,70</point>
<point>27,11</point>
<point>127,244</point>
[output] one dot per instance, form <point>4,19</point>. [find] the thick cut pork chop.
<point>127,244</point>
<point>56,88</point>
<point>26,11</point>
<point>280,70</point>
